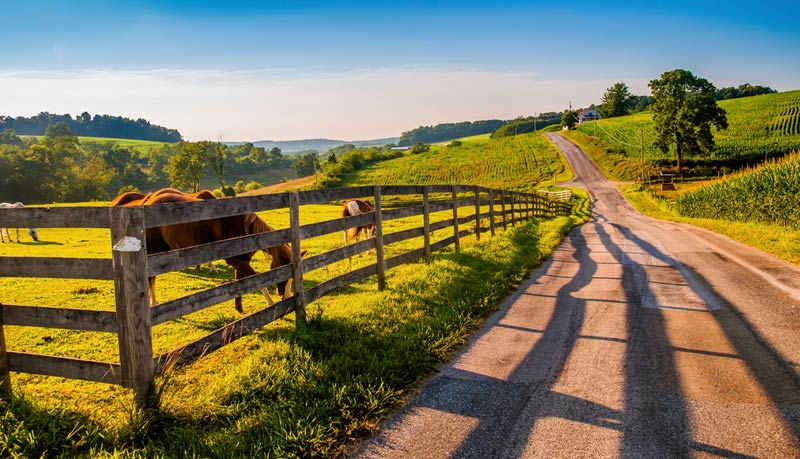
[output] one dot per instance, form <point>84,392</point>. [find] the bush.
<point>420,148</point>
<point>252,186</point>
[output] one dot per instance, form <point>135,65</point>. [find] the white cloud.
<point>269,104</point>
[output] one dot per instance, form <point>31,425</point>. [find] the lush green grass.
<point>279,392</point>
<point>759,127</point>
<point>524,162</point>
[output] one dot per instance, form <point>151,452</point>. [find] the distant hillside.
<point>448,131</point>
<point>92,126</point>
<point>321,145</point>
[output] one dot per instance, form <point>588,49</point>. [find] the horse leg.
<point>151,290</point>
<point>1,236</point>
<point>243,269</point>
<point>9,236</point>
<point>287,292</point>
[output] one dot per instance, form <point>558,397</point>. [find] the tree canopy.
<point>684,112</point>
<point>617,101</point>
<point>448,131</point>
<point>91,126</point>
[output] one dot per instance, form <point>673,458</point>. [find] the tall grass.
<point>764,194</point>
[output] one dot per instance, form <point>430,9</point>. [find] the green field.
<point>760,127</point>
<point>279,392</point>
<point>524,162</point>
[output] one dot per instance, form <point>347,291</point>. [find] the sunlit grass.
<point>279,392</point>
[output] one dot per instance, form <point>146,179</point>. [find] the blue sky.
<point>253,70</point>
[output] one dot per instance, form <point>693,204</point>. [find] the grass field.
<point>524,162</point>
<point>278,392</point>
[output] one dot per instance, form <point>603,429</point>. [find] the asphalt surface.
<point>639,338</point>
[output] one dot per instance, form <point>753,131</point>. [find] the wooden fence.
<point>130,267</point>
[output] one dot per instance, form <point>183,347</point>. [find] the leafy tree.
<point>9,137</point>
<point>420,147</point>
<point>569,119</point>
<point>306,165</point>
<point>683,114</point>
<point>616,101</point>
<point>187,166</point>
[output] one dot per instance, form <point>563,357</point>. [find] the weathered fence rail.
<point>130,266</point>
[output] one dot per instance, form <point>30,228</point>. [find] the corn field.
<point>766,194</point>
<point>760,127</point>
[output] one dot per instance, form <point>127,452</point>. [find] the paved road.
<point>638,338</point>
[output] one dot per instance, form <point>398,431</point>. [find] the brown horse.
<point>184,235</point>
<point>134,198</point>
<point>357,207</point>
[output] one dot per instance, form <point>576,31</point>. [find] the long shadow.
<point>502,406</point>
<point>778,380</point>
<point>655,420</point>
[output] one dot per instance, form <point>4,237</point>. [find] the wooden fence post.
<point>511,205</point>
<point>477,213</point>
<point>426,222</point>
<point>503,207</point>
<point>5,375</point>
<point>129,256</point>
<point>379,255</point>
<point>455,219</point>
<point>297,262</point>
<point>491,211</point>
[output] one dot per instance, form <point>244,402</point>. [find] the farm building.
<point>588,115</point>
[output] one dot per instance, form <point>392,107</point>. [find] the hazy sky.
<point>256,70</point>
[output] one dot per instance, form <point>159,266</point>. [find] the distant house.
<point>588,115</point>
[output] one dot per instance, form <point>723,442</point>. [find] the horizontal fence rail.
<point>129,268</point>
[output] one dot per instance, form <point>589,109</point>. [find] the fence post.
<point>491,211</point>
<point>511,197</point>
<point>297,262</point>
<point>5,374</point>
<point>426,222</point>
<point>455,218</point>
<point>379,240</point>
<point>477,213</point>
<point>129,255</point>
<point>503,207</point>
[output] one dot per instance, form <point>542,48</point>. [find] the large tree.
<point>683,114</point>
<point>616,101</point>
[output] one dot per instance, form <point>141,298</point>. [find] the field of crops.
<point>767,194</point>
<point>760,127</point>
<point>523,162</point>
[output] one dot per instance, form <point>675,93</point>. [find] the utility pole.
<point>534,121</point>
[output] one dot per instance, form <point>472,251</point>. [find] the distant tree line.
<point>91,126</point>
<point>523,125</point>
<point>744,90</point>
<point>448,131</point>
<point>60,168</point>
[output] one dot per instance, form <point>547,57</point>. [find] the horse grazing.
<point>134,198</point>
<point>357,207</point>
<point>32,232</point>
<point>182,235</point>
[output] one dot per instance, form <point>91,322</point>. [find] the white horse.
<point>31,231</point>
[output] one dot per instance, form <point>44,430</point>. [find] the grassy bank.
<point>780,241</point>
<point>281,392</point>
